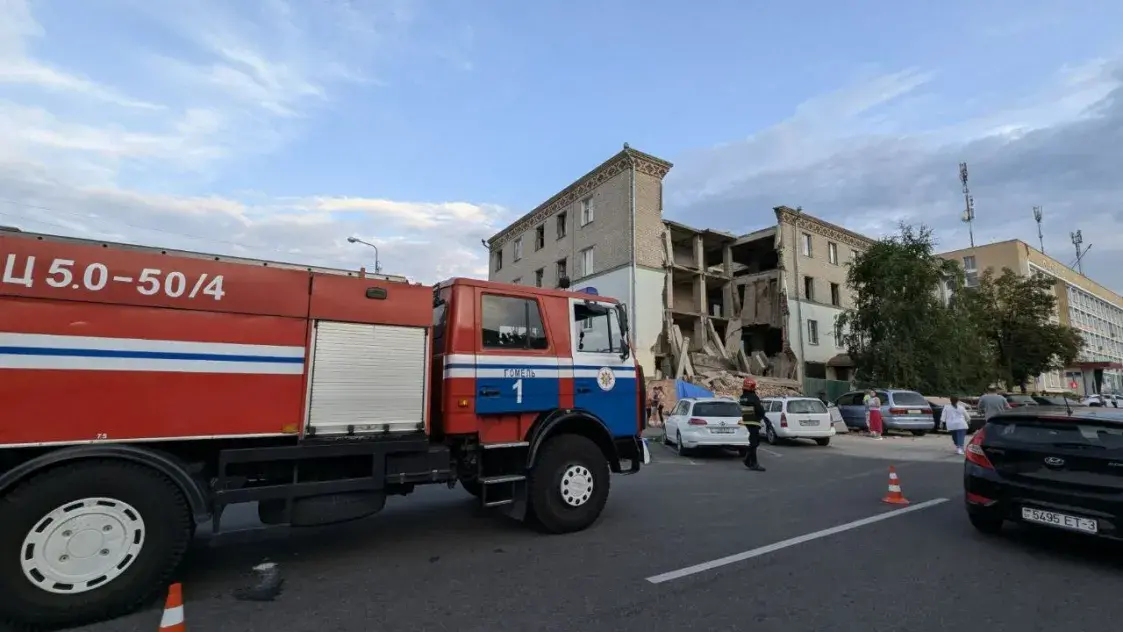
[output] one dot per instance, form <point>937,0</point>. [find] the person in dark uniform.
<point>752,417</point>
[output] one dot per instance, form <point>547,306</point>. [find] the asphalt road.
<point>433,561</point>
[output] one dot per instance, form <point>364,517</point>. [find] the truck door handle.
<point>489,392</point>
<point>583,389</point>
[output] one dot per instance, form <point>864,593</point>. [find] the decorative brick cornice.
<point>799,219</point>
<point>614,166</point>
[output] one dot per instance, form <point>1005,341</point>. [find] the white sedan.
<point>697,422</point>
<point>797,418</point>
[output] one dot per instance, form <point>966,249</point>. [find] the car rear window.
<point>1076,433</point>
<point>806,406</point>
<point>1024,400</point>
<point>716,409</point>
<point>909,398</point>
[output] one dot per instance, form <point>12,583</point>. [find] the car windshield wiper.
<point>1063,444</point>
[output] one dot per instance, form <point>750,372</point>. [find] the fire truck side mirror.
<point>622,313</point>
<point>563,283</point>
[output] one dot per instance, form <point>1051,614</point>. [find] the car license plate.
<point>1054,519</point>
<point>914,411</point>
<point>808,422</point>
<point>722,430</point>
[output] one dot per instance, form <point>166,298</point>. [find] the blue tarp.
<point>686,389</point>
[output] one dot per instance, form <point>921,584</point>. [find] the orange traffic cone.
<point>172,621</point>
<point>894,497</point>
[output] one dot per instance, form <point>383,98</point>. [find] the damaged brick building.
<point>765,303</point>
<point>705,304</point>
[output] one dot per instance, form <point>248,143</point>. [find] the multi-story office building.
<point>1094,310</point>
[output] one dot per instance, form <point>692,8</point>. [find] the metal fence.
<point>834,389</point>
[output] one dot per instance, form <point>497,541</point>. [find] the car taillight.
<point>898,411</point>
<point>1015,404</point>
<point>975,452</point>
<point>694,421</point>
<point>783,420</point>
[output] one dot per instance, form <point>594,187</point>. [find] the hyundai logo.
<point>1054,461</point>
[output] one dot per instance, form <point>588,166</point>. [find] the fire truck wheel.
<point>569,484</point>
<point>89,541</point>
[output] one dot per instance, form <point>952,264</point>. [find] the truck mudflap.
<point>635,450</point>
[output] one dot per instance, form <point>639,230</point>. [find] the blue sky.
<point>277,129</point>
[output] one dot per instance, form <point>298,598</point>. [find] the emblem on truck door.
<point>1054,461</point>
<point>606,379</point>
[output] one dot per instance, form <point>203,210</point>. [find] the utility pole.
<point>1037,215</point>
<point>969,202</point>
<point>1077,239</point>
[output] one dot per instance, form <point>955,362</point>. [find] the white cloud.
<point>239,84</point>
<point>1058,148</point>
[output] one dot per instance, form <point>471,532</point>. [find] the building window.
<point>512,323</point>
<point>498,260</point>
<point>809,288</point>
<point>518,249</point>
<point>971,271</point>
<point>586,262</point>
<point>836,295</point>
<point>538,275</point>
<point>562,269</point>
<point>838,332</point>
<point>813,332</point>
<point>563,224</point>
<point>832,252</point>
<point>540,237</point>
<point>807,244</point>
<point>586,210</point>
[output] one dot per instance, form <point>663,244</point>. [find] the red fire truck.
<point>142,391</point>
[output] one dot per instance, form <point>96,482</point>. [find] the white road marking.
<point>776,454</point>
<point>771,548</point>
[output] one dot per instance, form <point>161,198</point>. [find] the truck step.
<point>512,444</point>
<point>496,503</point>
<point>495,480</point>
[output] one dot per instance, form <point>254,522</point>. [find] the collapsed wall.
<point>725,313</point>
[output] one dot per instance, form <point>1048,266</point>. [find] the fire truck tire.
<point>129,528</point>
<point>569,484</point>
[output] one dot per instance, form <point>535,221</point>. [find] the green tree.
<point>900,333</point>
<point>1015,312</point>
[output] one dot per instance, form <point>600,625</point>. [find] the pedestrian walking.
<point>657,402</point>
<point>873,415</point>
<point>992,403</point>
<point>955,418</point>
<point>752,416</point>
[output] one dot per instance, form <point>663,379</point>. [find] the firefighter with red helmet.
<point>752,417</point>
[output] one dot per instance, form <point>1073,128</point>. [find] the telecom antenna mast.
<point>969,211</point>
<point>1037,215</point>
<point>1077,239</point>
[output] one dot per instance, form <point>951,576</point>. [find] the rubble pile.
<point>730,383</point>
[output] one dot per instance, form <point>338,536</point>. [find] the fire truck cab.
<point>144,390</point>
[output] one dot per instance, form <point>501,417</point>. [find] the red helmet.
<point>749,384</point>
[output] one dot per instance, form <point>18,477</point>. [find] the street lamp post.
<point>377,265</point>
